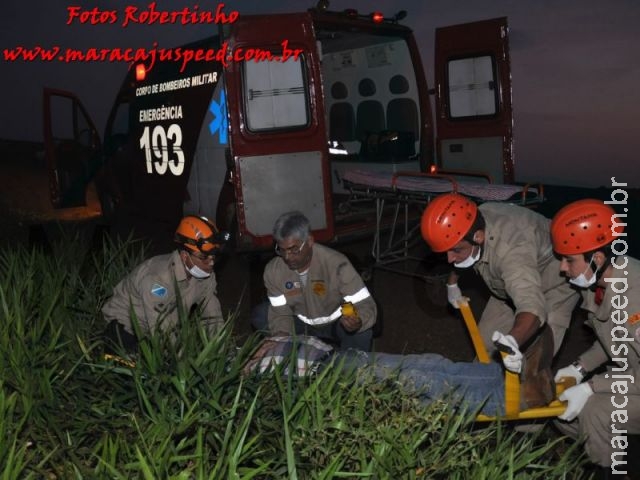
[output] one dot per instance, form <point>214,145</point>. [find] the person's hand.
<point>507,344</point>
<point>351,323</point>
<point>576,398</point>
<point>264,348</point>
<point>569,371</point>
<point>454,294</point>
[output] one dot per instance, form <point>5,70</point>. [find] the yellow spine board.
<point>472,327</point>
<point>511,380</point>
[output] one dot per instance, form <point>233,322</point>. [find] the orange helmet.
<point>446,221</point>
<point>199,234</point>
<point>583,226</point>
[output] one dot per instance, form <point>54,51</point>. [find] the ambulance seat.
<point>370,113</point>
<point>342,122</point>
<point>402,116</point>
<point>369,118</point>
<point>342,119</point>
<point>398,85</point>
<point>339,91</point>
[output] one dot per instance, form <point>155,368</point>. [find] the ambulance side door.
<point>473,99</point>
<point>72,148</point>
<point>277,127</point>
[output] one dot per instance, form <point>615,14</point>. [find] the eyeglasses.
<point>201,257</point>
<point>283,252</point>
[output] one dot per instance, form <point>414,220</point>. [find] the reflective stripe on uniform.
<point>358,296</point>
<point>278,301</point>
<point>321,320</point>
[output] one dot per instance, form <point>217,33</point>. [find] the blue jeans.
<point>474,386</point>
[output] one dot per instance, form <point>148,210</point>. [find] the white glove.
<point>576,398</point>
<point>454,294</point>
<point>569,371</point>
<point>506,343</point>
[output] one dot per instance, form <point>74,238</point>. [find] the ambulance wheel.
<point>344,207</point>
<point>108,205</point>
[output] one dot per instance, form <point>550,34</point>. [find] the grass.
<point>186,411</point>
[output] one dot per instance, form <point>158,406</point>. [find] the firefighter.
<point>603,408</point>
<point>154,288</point>
<point>315,290</point>
<point>510,247</point>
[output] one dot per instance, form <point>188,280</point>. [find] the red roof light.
<point>141,72</point>
<point>377,17</point>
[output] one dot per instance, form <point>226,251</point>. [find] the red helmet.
<point>583,226</point>
<point>199,234</point>
<point>446,221</point>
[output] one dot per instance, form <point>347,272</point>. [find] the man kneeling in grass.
<point>156,287</point>
<point>475,386</point>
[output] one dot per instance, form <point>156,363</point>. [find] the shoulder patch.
<point>158,290</point>
<point>319,288</point>
<point>635,318</point>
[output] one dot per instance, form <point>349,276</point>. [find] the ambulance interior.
<point>371,105</point>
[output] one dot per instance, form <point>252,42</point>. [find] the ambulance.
<point>298,100</point>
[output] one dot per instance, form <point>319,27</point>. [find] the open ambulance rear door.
<point>473,99</point>
<point>73,157</point>
<point>277,127</point>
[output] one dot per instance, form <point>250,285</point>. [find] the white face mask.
<point>197,272</point>
<point>581,280</point>
<point>470,260</point>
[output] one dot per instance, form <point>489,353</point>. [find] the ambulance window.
<point>275,95</point>
<point>120,124</point>
<point>472,87</point>
<point>69,123</point>
<point>117,131</point>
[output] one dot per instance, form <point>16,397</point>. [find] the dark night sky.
<point>575,69</point>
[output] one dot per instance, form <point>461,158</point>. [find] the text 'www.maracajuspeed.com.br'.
<point>149,56</point>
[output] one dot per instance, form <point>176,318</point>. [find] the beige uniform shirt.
<point>150,291</point>
<point>616,322</point>
<point>331,281</point>
<point>517,261</point>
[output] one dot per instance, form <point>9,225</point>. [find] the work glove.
<point>507,344</point>
<point>454,294</point>
<point>576,398</point>
<point>569,371</point>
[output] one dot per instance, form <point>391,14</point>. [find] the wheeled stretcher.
<point>401,197</point>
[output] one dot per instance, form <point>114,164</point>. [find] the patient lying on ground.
<point>471,385</point>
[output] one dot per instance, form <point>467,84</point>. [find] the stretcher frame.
<point>404,224</point>
<point>511,380</point>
